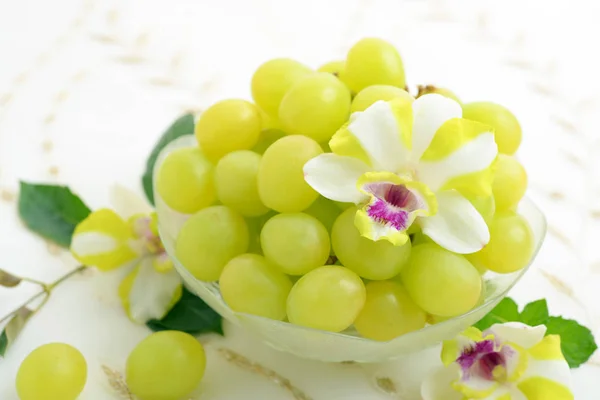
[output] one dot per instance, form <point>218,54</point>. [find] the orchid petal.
<point>127,203</point>
<point>457,226</point>
<point>461,156</point>
<point>149,294</point>
<point>430,112</point>
<point>518,333</point>
<point>438,386</point>
<point>335,177</point>
<point>103,240</point>
<point>384,132</point>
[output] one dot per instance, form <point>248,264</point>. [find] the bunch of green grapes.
<point>281,251</point>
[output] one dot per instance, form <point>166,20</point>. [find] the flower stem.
<point>46,290</point>
<point>65,277</point>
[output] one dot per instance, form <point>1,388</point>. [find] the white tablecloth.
<point>86,88</point>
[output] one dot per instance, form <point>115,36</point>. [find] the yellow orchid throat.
<point>395,201</point>
<point>409,162</point>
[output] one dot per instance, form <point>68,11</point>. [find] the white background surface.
<point>86,88</point>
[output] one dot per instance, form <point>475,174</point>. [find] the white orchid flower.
<point>510,361</point>
<point>128,237</point>
<point>411,161</point>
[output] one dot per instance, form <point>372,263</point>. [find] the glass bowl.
<point>345,346</point>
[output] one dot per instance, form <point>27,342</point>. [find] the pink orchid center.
<point>392,204</point>
<point>485,361</point>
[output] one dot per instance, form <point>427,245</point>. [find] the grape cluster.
<point>280,250</point>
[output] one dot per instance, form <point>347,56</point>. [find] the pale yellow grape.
<point>52,371</point>
<point>441,282</point>
<point>486,206</point>
<point>369,95</point>
<point>209,239</point>
<point>388,312</point>
<point>373,61</point>
<point>255,226</point>
<point>185,180</point>
<point>423,90</point>
<point>250,284</point>
<point>227,126</point>
<point>510,182</point>
<point>476,262</point>
<point>315,106</point>
<point>272,80</point>
<point>297,243</point>
<point>268,122</point>
<point>333,67</point>
<point>281,183</point>
<point>266,139</point>
<point>235,181</point>
<point>324,210</point>
<point>166,365</point>
<point>507,130</point>
<point>327,298</point>
<point>511,244</point>
<point>374,260</point>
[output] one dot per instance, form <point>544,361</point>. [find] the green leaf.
<point>506,311</point>
<point>184,125</point>
<point>576,341</point>
<point>191,314</point>
<point>51,211</point>
<point>535,313</point>
<point>8,279</point>
<point>13,328</point>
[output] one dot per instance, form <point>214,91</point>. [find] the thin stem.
<point>34,281</point>
<point>47,290</point>
<point>6,317</point>
<point>65,277</point>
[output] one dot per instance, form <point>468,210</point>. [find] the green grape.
<point>510,182</point>
<point>343,206</point>
<point>374,260</point>
<point>369,95</point>
<point>281,183</point>
<point>272,80</point>
<point>441,282</point>
<point>255,226</point>
<point>324,210</point>
<point>507,130</point>
<point>327,298</point>
<point>297,243</point>
<point>267,138</point>
<point>388,312</point>
<point>476,262</point>
<point>235,181</point>
<point>227,126</point>
<point>373,61</point>
<point>427,89</point>
<point>166,365</point>
<point>511,244</point>
<point>251,284</point>
<point>53,371</point>
<point>209,239</point>
<point>486,206</point>
<point>268,122</point>
<point>332,67</point>
<point>185,180</point>
<point>315,106</point>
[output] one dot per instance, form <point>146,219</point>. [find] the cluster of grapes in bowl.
<point>257,240</point>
